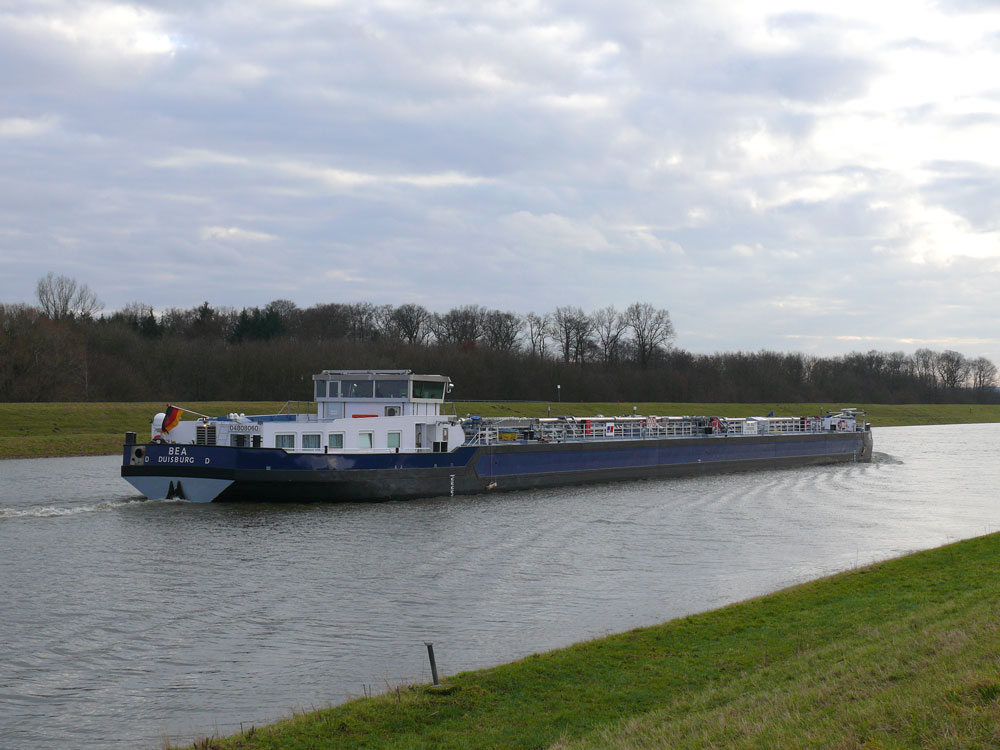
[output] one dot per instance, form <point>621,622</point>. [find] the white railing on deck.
<point>568,429</point>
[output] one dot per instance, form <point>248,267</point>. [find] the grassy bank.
<point>88,429</point>
<point>905,653</point>
<point>92,429</point>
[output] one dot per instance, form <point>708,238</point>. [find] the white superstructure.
<point>355,411</point>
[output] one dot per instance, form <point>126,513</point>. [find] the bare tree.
<point>984,374</point>
<point>583,339</point>
<point>609,325</point>
<point>501,330</point>
<point>651,330</point>
<point>571,328</point>
<point>325,322</point>
<point>361,321</point>
<point>953,368</point>
<point>288,313</point>
<point>411,323</point>
<point>539,330</point>
<point>61,298</point>
<point>897,367</point>
<point>460,325</point>
<point>925,367</point>
<point>385,324</point>
<point>134,312</point>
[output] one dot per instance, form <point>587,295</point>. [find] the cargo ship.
<point>374,435</point>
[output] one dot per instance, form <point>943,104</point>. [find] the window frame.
<point>371,440</point>
<point>424,386</point>
<point>399,439</point>
<point>329,438</point>
<point>368,386</point>
<point>401,388</point>
<point>319,441</point>
<point>278,436</point>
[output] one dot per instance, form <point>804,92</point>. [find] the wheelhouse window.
<point>336,440</point>
<point>310,442</point>
<point>364,440</point>
<point>427,389</point>
<point>357,388</point>
<point>320,389</point>
<point>393,440</point>
<point>333,388</point>
<point>390,389</point>
<point>285,441</point>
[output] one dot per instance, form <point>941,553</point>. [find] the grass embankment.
<point>904,653</point>
<point>89,429</point>
<point>93,429</point>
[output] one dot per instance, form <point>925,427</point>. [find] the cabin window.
<point>336,440</point>
<point>333,389</point>
<point>393,440</point>
<point>320,389</point>
<point>364,440</point>
<point>358,388</point>
<point>427,389</point>
<point>285,441</point>
<point>310,442</point>
<point>390,388</point>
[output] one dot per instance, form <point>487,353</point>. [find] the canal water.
<point>126,622</point>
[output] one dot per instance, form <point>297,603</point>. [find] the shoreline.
<point>891,654</point>
<point>54,430</point>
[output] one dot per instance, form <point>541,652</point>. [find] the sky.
<point>815,177</point>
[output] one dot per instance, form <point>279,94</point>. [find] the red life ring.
<point>842,424</point>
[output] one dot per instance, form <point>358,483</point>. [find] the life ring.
<point>842,425</point>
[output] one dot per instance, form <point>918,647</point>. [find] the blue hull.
<point>206,473</point>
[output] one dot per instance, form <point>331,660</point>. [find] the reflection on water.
<point>127,620</point>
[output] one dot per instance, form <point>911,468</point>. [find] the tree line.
<point>64,348</point>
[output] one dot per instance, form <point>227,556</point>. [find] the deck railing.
<point>484,431</point>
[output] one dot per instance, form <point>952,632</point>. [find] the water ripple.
<point>130,620</point>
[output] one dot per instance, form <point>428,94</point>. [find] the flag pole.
<point>189,411</point>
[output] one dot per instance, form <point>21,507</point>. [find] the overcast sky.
<point>821,177</point>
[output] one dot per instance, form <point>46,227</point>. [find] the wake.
<point>51,511</point>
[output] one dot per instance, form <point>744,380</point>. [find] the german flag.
<point>171,418</point>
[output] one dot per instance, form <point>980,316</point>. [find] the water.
<point>127,621</point>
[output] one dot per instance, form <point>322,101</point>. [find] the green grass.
<point>900,654</point>
<point>91,429</point>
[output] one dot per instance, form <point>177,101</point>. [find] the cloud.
<point>24,127</point>
<point>331,177</point>
<point>235,234</point>
<point>551,233</point>
<point>339,275</point>
<point>98,29</point>
<point>715,159</point>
